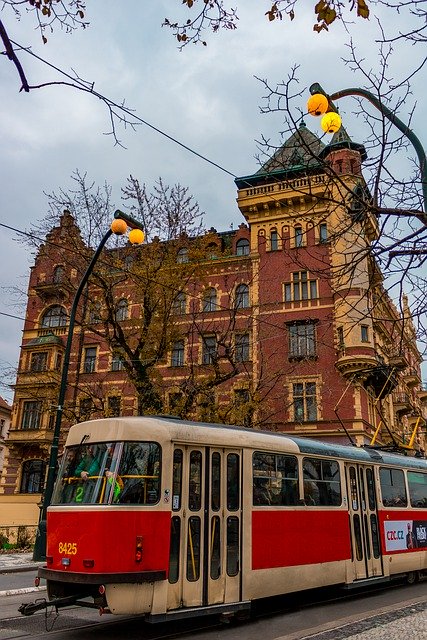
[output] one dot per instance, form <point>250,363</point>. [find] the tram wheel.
<point>412,577</point>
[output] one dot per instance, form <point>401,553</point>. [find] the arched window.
<point>274,240</point>
<point>242,296</point>
<point>242,247</point>
<point>298,237</point>
<point>179,304</point>
<point>58,274</point>
<point>32,479</point>
<point>122,310</point>
<point>54,317</point>
<point>210,300</point>
<point>182,255</point>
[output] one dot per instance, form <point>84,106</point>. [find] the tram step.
<point>192,612</point>
<point>365,582</point>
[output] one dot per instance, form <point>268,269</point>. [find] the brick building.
<point>282,324</point>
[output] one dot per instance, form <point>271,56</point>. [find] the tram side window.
<point>175,544</point>
<point>139,472</point>
<point>195,481</point>
<point>275,479</point>
<point>233,482</point>
<point>177,480</point>
<point>322,484</point>
<point>417,483</point>
<point>393,492</point>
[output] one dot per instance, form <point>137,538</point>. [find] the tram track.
<point>71,626</point>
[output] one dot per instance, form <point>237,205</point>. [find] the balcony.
<point>29,436</point>
<point>422,393</point>
<point>402,403</point>
<point>51,289</point>
<point>412,377</point>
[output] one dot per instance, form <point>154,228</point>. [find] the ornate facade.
<point>285,321</point>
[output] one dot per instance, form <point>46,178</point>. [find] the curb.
<point>19,569</point>
<point>17,592</point>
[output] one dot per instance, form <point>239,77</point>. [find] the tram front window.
<point>109,473</point>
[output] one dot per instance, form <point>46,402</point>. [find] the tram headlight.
<point>65,562</point>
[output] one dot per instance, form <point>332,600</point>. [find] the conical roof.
<point>299,153</point>
<point>341,140</point>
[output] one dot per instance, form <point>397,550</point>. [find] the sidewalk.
<point>13,562</point>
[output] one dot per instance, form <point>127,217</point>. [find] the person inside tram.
<point>262,495</point>
<point>88,465</point>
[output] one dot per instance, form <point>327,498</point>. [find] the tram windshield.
<point>109,473</point>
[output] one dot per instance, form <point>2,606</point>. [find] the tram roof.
<point>211,434</point>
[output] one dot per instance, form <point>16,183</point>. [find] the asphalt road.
<point>300,620</point>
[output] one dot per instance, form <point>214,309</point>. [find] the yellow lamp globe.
<point>136,236</point>
<point>331,122</point>
<point>317,105</point>
<point>119,227</point>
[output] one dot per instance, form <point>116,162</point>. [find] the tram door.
<point>366,550</point>
<point>206,527</point>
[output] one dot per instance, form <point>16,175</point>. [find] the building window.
<point>242,296</point>
<point>122,310</point>
<point>340,338</point>
<point>323,233</point>
<point>89,360</point>
<point>54,317</point>
<point>177,356</point>
<point>58,274</point>
<point>86,408</point>
<point>301,287</point>
<point>274,240</point>
<point>58,363</point>
<point>242,247</point>
<point>95,313</point>
<point>304,401</point>
<point>175,401</point>
<point>114,405</point>
<point>31,414</point>
<point>209,300</point>
<point>364,333</point>
<point>116,362</point>
<point>208,349</point>
<point>242,347</point>
<point>182,255</point>
<point>302,340</point>
<point>298,237</point>
<point>32,479</point>
<point>128,262</point>
<point>179,304</point>
<point>38,361</point>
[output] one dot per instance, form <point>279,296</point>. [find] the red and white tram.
<point>180,518</point>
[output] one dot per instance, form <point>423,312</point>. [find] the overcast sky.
<point>206,97</point>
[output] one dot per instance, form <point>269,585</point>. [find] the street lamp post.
<point>317,89</point>
<point>40,542</point>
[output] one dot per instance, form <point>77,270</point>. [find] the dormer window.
<point>182,255</point>
<point>58,274</point>
<point>242,247</point>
